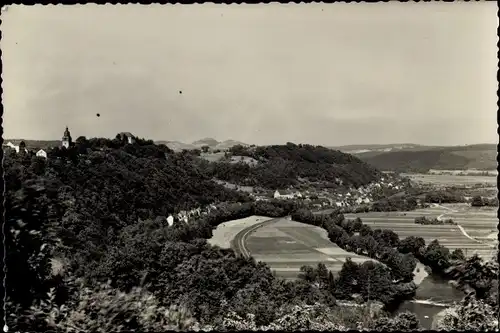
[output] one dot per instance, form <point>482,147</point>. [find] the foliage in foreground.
<point>109,310</point>
<point>471,314</point>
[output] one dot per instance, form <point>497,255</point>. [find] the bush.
<point>109,310</point>
<point>425,221</point>
<point>469,315</point>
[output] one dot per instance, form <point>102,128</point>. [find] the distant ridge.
<point>477,156</point>
<point>206,142</point>
<point>32,144</point>
<point>213,144</point>
<point>177,145</point>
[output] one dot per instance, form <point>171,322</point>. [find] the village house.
<point>285,194</point>
<point>41,153</point>
<point>18,148</point>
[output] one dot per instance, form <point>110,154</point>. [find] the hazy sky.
<point>318,73</point>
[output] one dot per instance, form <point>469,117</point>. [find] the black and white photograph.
<point>250,167</point>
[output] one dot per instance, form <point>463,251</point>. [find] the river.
<point>431,289</point>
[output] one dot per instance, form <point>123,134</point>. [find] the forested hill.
<point>482,157</point>
<point>281,166</point>
<point>144,177</point>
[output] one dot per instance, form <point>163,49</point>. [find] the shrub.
<point>109,310</point>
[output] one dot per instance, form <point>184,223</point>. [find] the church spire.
<point>66,139</point>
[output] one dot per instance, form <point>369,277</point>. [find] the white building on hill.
<point>127,135</point>
<point>41,153</point>
<point>170,220</point>
<point>287,195</point>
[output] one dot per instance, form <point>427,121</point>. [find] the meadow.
<point>287,245</point>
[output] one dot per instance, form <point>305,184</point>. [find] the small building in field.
<point>41,153</point>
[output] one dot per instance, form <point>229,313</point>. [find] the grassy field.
<point>212,157</point>
<point>450,180</point>
<point>477,223</point>
<point>287,245</point>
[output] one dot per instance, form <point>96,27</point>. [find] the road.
<point>238,244</point>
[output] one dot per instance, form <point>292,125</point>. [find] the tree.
<point>405,321</point>
<point>458,255</point>
<point>437,257</point>
<point>349,276</point>
<point>390,238</point>
<point>357,225</point>
<point>365,230</point>
<point>477,201</point>
<point>81,140</point>
<point>308,274</point>
<point>470,314</point>
<point>412,244</point>
<point>205,149</point>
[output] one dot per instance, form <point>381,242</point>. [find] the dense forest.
<point>89,249</point>
<point>282,166</point>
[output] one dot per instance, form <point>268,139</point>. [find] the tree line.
<point>399,255</point>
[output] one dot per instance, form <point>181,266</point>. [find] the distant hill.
<point>206,142</point>
<point>228,144</point>
<point>35,144</point>
<point>381,148</point>
<point>481,157</point>
<point>212,143</point>
<point>177,145</point>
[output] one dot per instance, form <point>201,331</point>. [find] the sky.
<point>329,74</point>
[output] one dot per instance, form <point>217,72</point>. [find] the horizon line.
<point>271,144</point>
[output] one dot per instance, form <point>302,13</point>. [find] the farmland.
<point>451,180</point>
<point>227,231</point>
<point>476,223</point>
<point>287,245</point>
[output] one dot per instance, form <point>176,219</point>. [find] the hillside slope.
<point>482,157</point>
<point>282,166</point>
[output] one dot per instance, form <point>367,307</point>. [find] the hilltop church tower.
<point>66,139</point>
